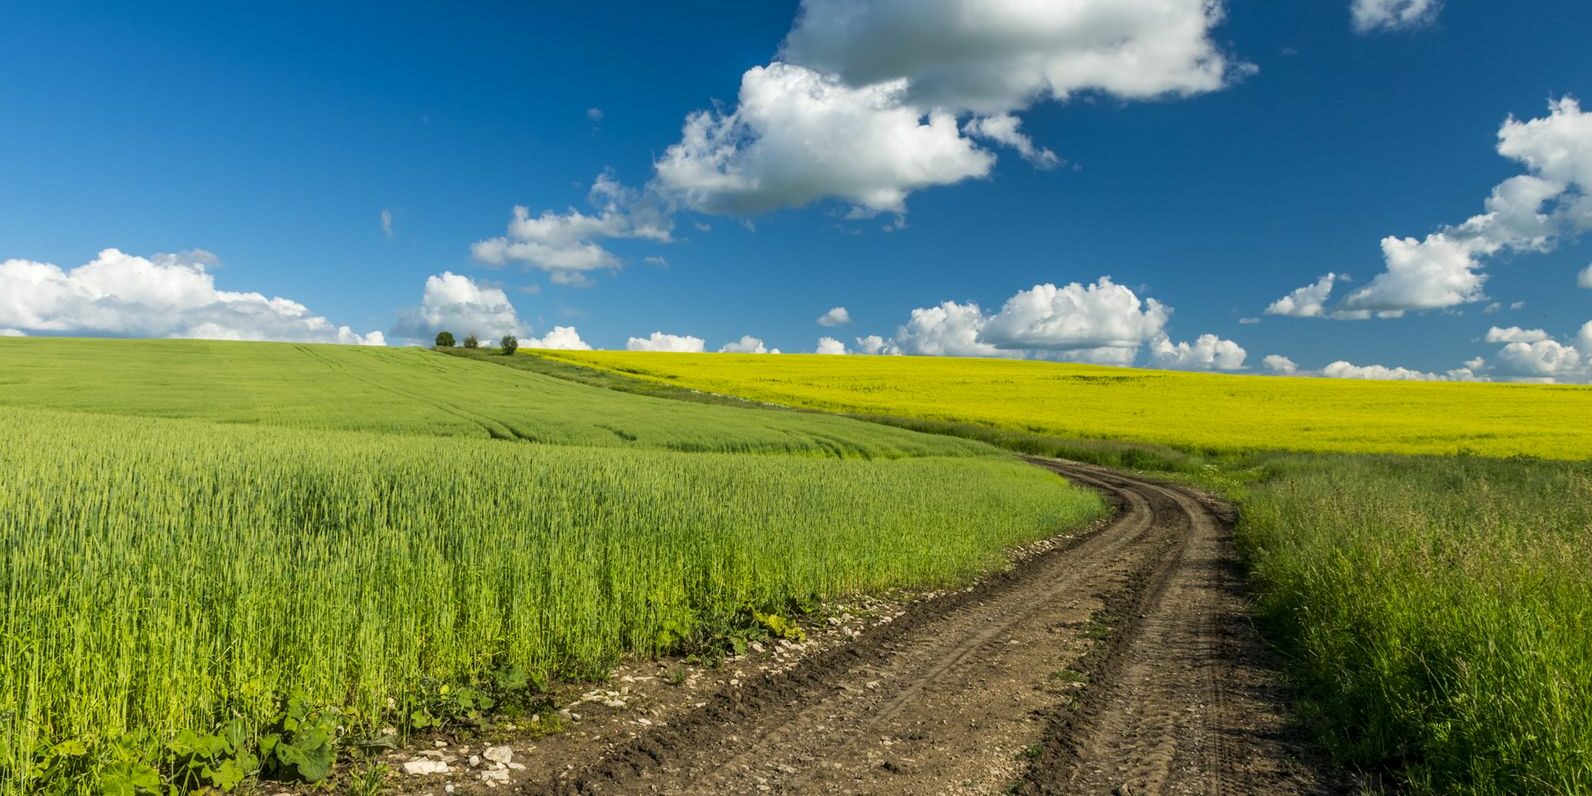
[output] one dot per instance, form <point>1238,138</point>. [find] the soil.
<point>1119,660</point>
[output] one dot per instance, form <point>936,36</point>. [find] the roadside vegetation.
<point>227,561</point>
<point>1438,612</point>
<point>1434,611</point>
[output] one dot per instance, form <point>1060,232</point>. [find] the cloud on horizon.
<point>165,295</point>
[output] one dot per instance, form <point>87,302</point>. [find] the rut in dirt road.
<point>1121,662</point>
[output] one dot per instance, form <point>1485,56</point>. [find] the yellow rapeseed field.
<point>1188,410</point>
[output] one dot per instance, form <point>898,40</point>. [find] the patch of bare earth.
<point>1120,660</point>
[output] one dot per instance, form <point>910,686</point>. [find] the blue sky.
<point>1292,141</point>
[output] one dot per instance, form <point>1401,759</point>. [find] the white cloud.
<point>1208,352</point>
<point>864,105</point>
<point>1533,355</point>
<point>949,329</point>
<point>1421,274</point>
<point>747,345</point>
<point>1347,370</point>
<point>456,303</point>
<point>1515,334</point>
<point>595,114</point>
<point>566,245</point>
<point>167,295</point>
<point>658,341</point>
<point>386,222</point>
<point>877,346</point>
<point>836,316</point>
<point>798,136</point>
<point>1539,359</point>
<point>995,56</point>
<point>829,345</point>
<point>1585,278</point>
<point>12,333</point>
<point>1373,15</point>
<point>1003,129</point>
<point>563,338</point>
<point>1280,365</point>
<point>1529,212</point>
<point>1305,302</point>
<point>863,102</point>
<point>1103,322</point>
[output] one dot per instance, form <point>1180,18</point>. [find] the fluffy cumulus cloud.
<point>1348,370</point>
<point>874,345</point>
<point>872,100</point>
<point>1530,212</point>
<point>747,345</point>
<point>864,101</point>
<point>1534,355</point>
<point>563,338</point>
<point>1585,278</point>
<point>456,303</point>
<point>1437,272</point>
<point>829,345</point>
<point>1306,302</point>
<point>1515,334</point>
<point>797,136</point>
<point>1374,15</point>
<point>1103,322</point>
<point>949,329</point>
<point>1208,352</point>
<point>167,295</point>
<point>568,245</point>
<point>1528,355</point>
<point>995,56</point>
<point>1280,365</point>
<point>658,341</point>
<point>1540,360</point>
<point>836,316</point>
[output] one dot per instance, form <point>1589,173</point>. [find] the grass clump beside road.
<point>248,586</point>
<point>1436,611</point>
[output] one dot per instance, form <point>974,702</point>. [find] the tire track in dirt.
<point>1122,662</point>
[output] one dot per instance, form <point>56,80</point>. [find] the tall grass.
<point>161,575</point>
<point>1439,612</point>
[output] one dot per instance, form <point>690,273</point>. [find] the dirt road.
<point>1121,662</point>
